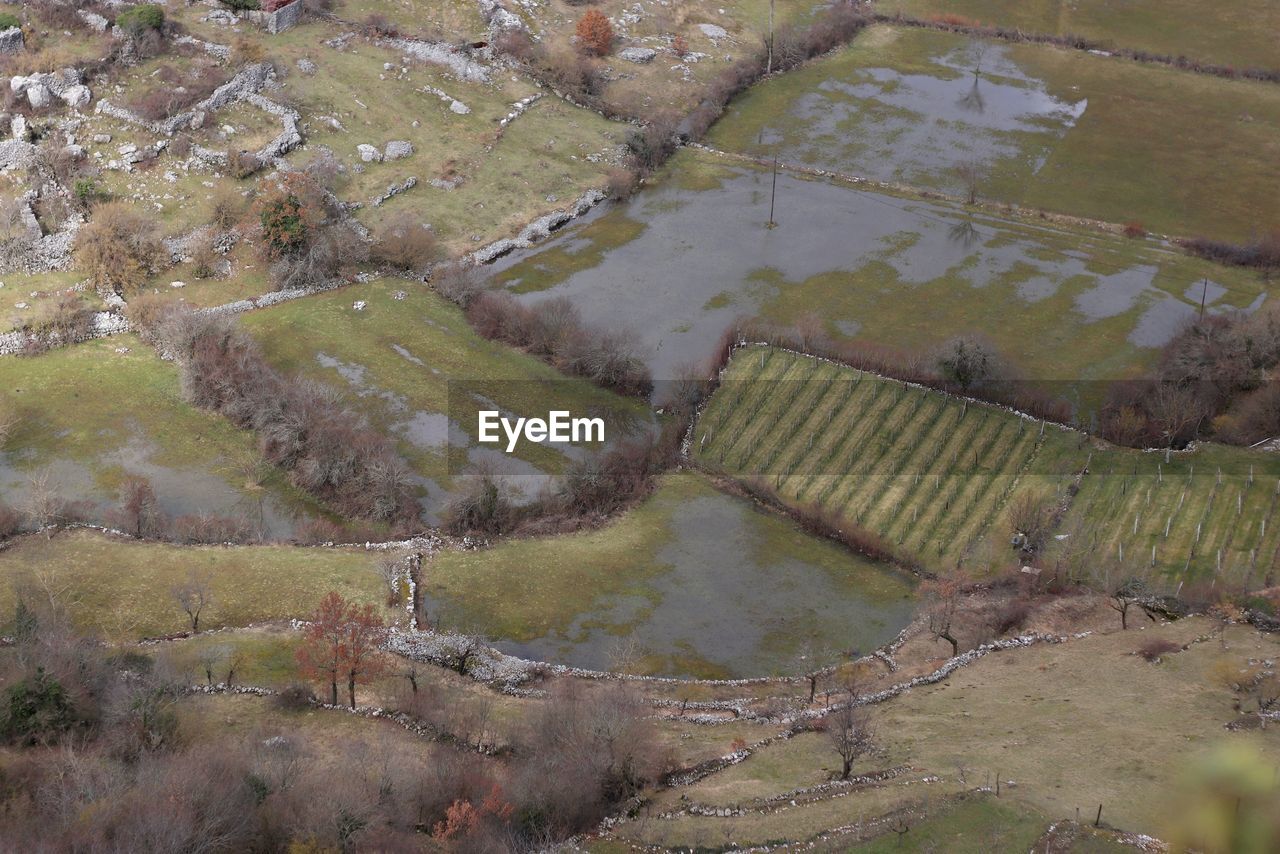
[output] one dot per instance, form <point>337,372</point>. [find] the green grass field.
<point>1240,33</point>
<point>886,107</point>
<point>121,589</point>
<point>933,476</point>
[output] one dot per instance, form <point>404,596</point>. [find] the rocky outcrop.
<point>640,55</point>
<point>40,90</point>
<point>397,149</point>
<point>11,40</point>
<point>93,20</point>
<point>279,20</point>
<point>16,154</point>
<point>445,55</point>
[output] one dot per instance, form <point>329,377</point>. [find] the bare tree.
<point>1124,589</point>
<point>138,511</point>
<point>235,660</point>
<point>815,662</point>
<point>210,657</point>
<point>942,598</point>
<point>391,567</point>
<point>1031,519</point>
<point>193,596</point>
<point>849,729</point>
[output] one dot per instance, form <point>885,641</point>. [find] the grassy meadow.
<point>90,414</point>
<point>121,589</point>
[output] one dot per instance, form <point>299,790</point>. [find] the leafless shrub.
<point>118,247</point>
<point>66,319</point>
<point>229,207</point>
<point>1154,649</point>
<point>302,427</point>
<point>552,328</point>
<point>404,243</point>
<point>457,282</point>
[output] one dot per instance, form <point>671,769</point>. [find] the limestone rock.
<point>459,108</point>
<point>38,95</point>
<point>639,55</point>
<point>11,40</point>
<point>397,149</point>
<point>368,153</point>
<point>77,96</point>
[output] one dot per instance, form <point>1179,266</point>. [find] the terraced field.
<point>932,475</point>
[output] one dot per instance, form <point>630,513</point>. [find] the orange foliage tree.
<point>343,641</point>
<point>595,33</point>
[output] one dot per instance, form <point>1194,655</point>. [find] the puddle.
<point>734,600</point>
<point>432,431</point>
<point>179,492</point>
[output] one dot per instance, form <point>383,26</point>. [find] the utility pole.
<point>773,192</point>
<point>1204,292</point>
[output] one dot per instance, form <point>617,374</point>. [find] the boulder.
<point>368,153</point>
<point>713,31</point>
<point>397,149</point>
<point>38,95</point>
<point>459,108</point>
<point>77,96</point>
<point>306,66</point>
<point>18,127</point>
<point>639,55</point>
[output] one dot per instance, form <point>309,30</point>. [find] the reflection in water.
<point>705,259</point>
<point>731,598</point>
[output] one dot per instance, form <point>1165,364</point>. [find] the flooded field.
<point>409,362</point>
<point>75,441</point>
<point>1028,124</point>
<point>692,583</point>
<point>681,261</point>
<point>969,104</point>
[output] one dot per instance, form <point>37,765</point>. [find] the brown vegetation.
<point>327,449</point>
<point>1213,379</point>
<point>552,329</point>
<point>594,32</point>
<point>404,243</point>
<point>118,247</point>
